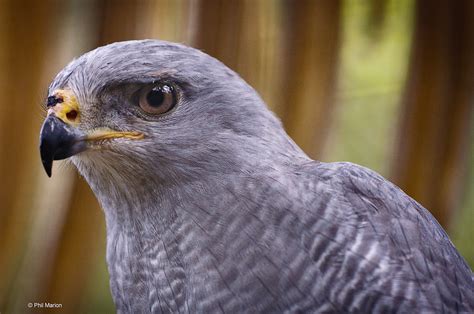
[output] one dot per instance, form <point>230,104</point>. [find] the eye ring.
<point>157,99</point>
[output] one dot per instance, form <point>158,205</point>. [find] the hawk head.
<point>156,109</point>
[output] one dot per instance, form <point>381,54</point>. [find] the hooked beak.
<point>59,136</point>
<point>59,140</point>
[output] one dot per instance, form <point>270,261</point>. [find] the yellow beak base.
<point>105,134</point>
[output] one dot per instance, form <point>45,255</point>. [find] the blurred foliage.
<point>371,79</point>
<point>97,298</point>
<point>462,232</point>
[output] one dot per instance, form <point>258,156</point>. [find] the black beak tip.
<point>58,141</point>
<point>46,156</point>
<point>47,144</point>
<point>47,165</point>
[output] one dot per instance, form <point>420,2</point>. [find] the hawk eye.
<point>157,99</point>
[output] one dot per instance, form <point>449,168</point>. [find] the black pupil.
<point>156,96</point>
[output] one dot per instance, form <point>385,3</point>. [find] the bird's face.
<point>145,105</point>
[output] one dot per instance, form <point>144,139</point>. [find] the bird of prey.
<point>210,206</point>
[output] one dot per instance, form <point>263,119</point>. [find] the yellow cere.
<point>67,108</point>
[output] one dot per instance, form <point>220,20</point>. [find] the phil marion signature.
<point>44,305</point>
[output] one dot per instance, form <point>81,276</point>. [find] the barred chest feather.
<point>146,274</point>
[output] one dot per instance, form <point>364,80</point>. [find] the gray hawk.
<point>211,207</point>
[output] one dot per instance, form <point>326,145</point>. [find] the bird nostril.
<point>71,115</point>
<point>53,100</point>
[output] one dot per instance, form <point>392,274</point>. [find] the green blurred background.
<point>386,84</point>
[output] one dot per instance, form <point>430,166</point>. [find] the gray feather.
<point>217,210</point>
